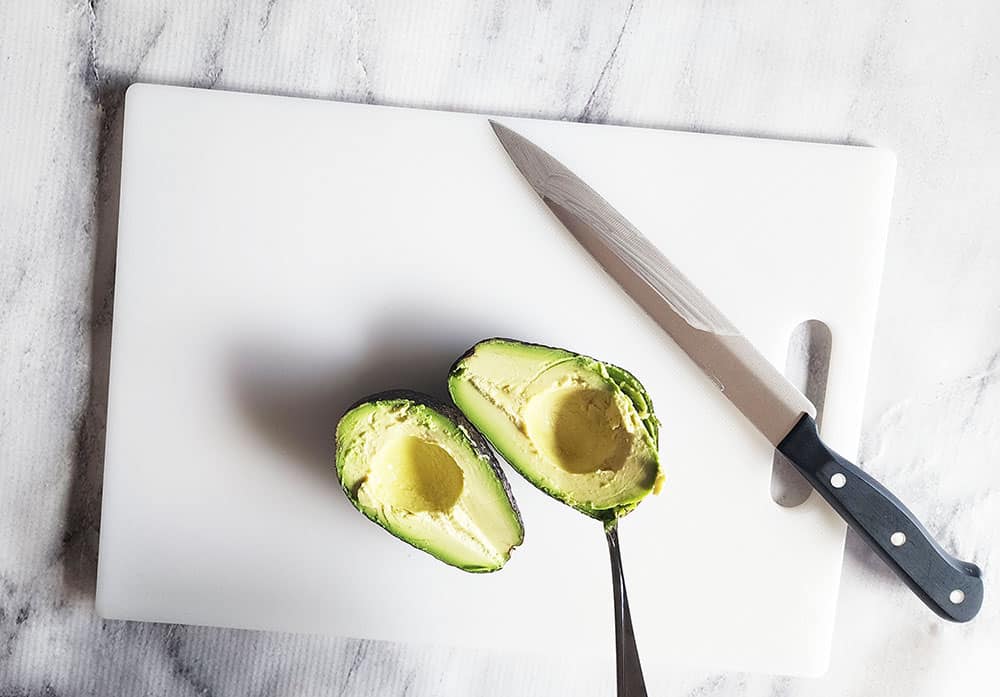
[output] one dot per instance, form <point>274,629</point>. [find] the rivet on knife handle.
<point>949,586</point>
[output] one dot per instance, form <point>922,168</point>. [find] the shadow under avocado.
<point>294,400</point>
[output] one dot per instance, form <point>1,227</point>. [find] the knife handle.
<point>950,587</point>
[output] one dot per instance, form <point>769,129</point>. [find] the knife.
<point>950,587</point>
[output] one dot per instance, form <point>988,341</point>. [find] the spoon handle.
<point>629,670</point>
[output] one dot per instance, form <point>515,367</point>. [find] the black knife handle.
<point>951,587</point>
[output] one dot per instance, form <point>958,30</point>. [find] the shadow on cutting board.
<point>294,400</point>
<point>82,516</point>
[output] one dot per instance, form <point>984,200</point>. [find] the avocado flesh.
<point>581,430</point>
<point>419,473</point>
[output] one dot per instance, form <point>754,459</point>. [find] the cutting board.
<point>279,258</point>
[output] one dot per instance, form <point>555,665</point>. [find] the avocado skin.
<point>479,445</point>
<point>629,385</point>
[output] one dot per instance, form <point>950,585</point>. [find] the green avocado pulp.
<point>415,467</point>
<point>415,475</point>
<point>578,428</point>
<point>581,430</point>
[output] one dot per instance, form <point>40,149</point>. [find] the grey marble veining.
<point>917,77</point>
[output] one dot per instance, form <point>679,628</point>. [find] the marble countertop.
<point>919,78</point>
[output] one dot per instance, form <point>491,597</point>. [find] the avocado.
<point>416,467</point>
<point>581,430</point>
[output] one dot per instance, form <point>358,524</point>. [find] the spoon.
<point>629,669</point>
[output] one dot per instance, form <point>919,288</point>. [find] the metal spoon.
<point>629,669</point>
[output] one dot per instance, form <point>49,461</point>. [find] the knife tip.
<point>509,139</point>
<point>498,128</point>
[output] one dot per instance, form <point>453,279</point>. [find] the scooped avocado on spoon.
<point>421,471</point>
<point>581,430</point>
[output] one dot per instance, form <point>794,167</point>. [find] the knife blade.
<point>949,586</point>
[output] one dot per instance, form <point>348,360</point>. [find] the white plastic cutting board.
<point>279,258</point>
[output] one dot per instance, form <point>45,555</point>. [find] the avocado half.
<point>581,430</point>
<point>416,467</point>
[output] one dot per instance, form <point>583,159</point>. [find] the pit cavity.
<point>578,429</point>
<point>416,475</point>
